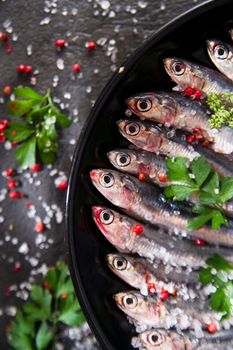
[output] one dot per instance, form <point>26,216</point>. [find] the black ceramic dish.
<point>94,282</point>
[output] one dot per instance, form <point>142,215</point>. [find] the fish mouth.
<point>167,63</point>
<point>130,101</point>
<point>118,299</point>
<point>95,175</point>
<point>111,156</point>
<point>121,126</point>
<point>210,45</point>
<point>96,210</point>
<point>109,259</point>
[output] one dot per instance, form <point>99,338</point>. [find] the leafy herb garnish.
<point>217,273</point>
<point>36,132</point>
<point>199,180</point>
<point>36,326</point>
<point>222,107</point>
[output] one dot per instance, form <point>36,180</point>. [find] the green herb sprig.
<point>36,326</point>
<point>222,107</point>
<point>218,273</point>
<point>36,132</point>
<point>199,180</point>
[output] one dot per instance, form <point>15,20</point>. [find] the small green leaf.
<point>27,93</point>
<point>47,150</point>
<point>43,337</point>
<point>179,192</point>
<point>200,169</point>
<point>226,190</point>
<point>218,219</point>
<point>51,279</point>
<point>217,300</point>
<point>205,276</point>
<point>198,221</point>
<point>213,184</point>
<point>177,171</point>
<point>208,198</point>
<point>20,108</point>
<point>37,114</point>
<point>219,263</point>
<point>18,132</point>
<point>26,153</point>
<point>62,119</point>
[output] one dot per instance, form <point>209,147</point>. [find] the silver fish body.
<point>151,139</point>
<point>173,109</point>
<point>221,55</point>
<point>144,202</point>
<point>187,74</point>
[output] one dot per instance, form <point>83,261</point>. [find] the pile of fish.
<point>156,255</point>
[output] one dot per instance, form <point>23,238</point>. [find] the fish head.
<point>153,106</point>
<point>124,267</point>
<point>184,73</point>
<point>160,339</point>
<point>125,160</point>
<point>141,135</point>
<point>115,227</point>
<point>220,53</point>
<point>118,188</point>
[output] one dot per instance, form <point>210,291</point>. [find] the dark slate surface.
<point>119,27</point>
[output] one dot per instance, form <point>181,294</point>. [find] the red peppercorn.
<point>11,183</point>
<point>35,168</point>
<point>206,143</point>
<point>17,267</point>
<point>7,90</point>
<point>162,178</point>
<point>189,91</point>
<point>39,227</point>
<point>191,138</point>
<point>3,126</point>
<point>151,287</point>
<point>7,291</point>
<point>20,68</point>
<point>4,37</point>
<point>2,137</point>
<point>138,229</point>
<point>9,48</point>
<point>46,285</point>
<point>28,204</point>
<point>90,45</point>
<point>27,69</point>
<point>76,68</point>
<point>60,43</point>
<point>197,94</point>
<point>64,295</point>
<point>164,294</point>
<point>200,242</point>
<point>212,328</point>
<point>141,176</point>
<point>9,172</point>
<point>62,185</point>
<point>15,195</point>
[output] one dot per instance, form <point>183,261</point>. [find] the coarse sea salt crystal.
<point>60,63</point>
<point>24,248</point>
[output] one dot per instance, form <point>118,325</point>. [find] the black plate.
<point>93,282</point>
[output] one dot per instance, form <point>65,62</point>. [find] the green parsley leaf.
<point>213,184</point>
<point>200,169</point>
<point>226,192</point>
<point>177,170</point>
<point>18,132</point>
<point>19,108</point>
<point>43,336</point>
<point>179,192</point>
<point>205,276</point>
<point>62,119</point>
<point>40,310</point>
<point>26,153</point>
<point>70,312</point>
<point>27,93</point>
<point>219,263</point>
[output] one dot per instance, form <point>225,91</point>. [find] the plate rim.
<point>79,148</point>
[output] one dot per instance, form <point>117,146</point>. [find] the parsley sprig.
<point>218,273</point>
<point>199,180</point>
<point>36,132</point>
<point>36,326</point>
<point>221,106</point>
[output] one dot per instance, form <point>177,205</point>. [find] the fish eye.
<point>144,105</point>
<point>120,263</point>
<point>123,159</point>
<point>155,338</point>
<point>178,68</point>
<point>107,180</point>
<point>221,52</point>
<point>132,129</point>
<point>130,301</point>
<point>106,217</point>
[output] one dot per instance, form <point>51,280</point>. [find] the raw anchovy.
<point>160,339</point>
<point>151,243</point>
<point>180,112</point>
<point>144,202</point>
<point>186,74</point>
<point>151,139</point>
<point>140,163</point>
<point>142,275</point>
<point>155,313</point>
<point>221,55</point>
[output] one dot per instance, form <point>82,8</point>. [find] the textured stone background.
<point>118,27</point>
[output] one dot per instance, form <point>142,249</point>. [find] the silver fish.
<point>144,202</point>
<point>161,339</point>
<point>221,55</point>
<point>155,313</point>
<point>187,74</point>
<point>142,164</point>
<point>151,139</point>
<point>173,109</point>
